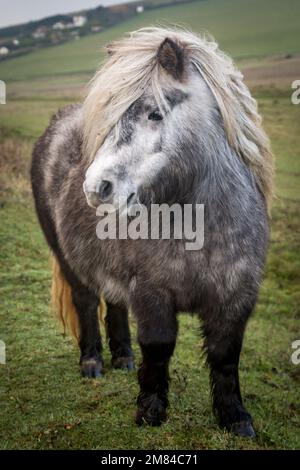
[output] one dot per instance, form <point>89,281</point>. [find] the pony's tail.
<point>62,303</point>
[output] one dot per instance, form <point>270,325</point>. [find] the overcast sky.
<point>20,11</point>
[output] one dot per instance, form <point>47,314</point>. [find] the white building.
<point>4,50</point>
<point>79,21</point>
<point>139,9</point>
<point>40,33</point>
<point>59,25</point>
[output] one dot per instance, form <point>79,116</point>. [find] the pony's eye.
<point>155,116</point>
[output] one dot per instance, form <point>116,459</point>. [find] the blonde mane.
<point>132,66</point>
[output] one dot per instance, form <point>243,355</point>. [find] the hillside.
<point>244,28</point>
<point>21,39</point>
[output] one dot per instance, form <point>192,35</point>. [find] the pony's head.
<point>161,102</point>
<point>154,135</point>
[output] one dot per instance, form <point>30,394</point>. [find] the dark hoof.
<point>91,368</point>
<point>126,363</point>
<point>243,429</point>
<point>151,410</point>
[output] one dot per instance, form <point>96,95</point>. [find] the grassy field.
<point>244,28</point>
<point>44,403</point>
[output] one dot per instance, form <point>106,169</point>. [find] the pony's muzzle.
<point>92,199</point>
<point>103,195</point>
<point>109,193</point>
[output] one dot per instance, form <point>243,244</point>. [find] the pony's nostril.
<point>105,190</point>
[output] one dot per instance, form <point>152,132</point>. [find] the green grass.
<point>244,28</point>
<point>46,405</point>
<point>27,119</point>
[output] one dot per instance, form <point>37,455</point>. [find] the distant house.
<point>59,25</point>
<point>79,21</point>
<point>139,9</point>
<point>4,50</point>
<point>40,32</point>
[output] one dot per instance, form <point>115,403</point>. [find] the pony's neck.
<point>221,177</point>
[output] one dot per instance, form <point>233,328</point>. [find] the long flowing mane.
<point>132,66</point>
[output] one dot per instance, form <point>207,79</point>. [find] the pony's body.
<point>191,164</point>
<point>235,231</point>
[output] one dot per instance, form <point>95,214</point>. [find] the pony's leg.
<point>86,304</point>
<point>119,336</point>
<point>157,331</point>
<point>223,336</point>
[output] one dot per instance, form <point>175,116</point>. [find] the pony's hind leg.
<point>86,304</point>
<point>223,336</point>
<point>119,336</point>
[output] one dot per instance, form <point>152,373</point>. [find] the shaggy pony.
<point>168,101</point>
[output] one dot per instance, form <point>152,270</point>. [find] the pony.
<point>166,119</point>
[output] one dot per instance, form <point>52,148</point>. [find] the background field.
<point>44,402</point>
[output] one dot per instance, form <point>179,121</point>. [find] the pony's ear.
<point>171,57</point>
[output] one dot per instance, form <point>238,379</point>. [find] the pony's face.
<point>147,143</point>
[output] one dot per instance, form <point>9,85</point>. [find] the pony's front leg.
<point>157,331</point>
<point>223,336</point>
<point>119,336</point>
<point>86,304</point>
